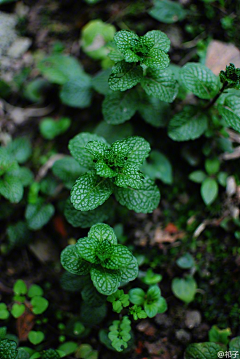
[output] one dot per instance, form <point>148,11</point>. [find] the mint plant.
<point>108,263</point>
<point>112,169</point>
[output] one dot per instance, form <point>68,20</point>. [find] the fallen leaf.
<point>59,225</point>
<point>161,235</point>
<point>147,328</point>
<point>24,325</point>
<point>171,228</point>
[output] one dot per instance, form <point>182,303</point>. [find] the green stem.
<point>215,98</point>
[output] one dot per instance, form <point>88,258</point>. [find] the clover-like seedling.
<point>113,169</point>
<point>137,312</point>
<point>99,255</point>
<point>230,77</point>
<point>152,301</point>
<point>119,300</point>
<point>119,333</point>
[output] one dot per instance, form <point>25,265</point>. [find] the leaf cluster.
<point>119,333</point>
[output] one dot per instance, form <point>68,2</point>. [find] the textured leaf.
<point>143,200</point>
<point>230,112</point>
<point>86,249</point>
<point>188,124</point>
<point>129,176</point>
<point>102,232</point>
<point>200,80</point>
<point>72,262</point>
<point>184,288</point>
<point>159,40</point>
<point>158,167</point>
<point>156,59</point>
<point>105,280</point>
<point>160,84</point>
<point>87,219</point>
<point>130,272</point>
<point>235,344</point>
<point>115,54</point>
<point>68,170</point>
<point>91,296</point>
<point>78,151</point>
<point>90,191</point>
<point>73,282</point>
<point>120,257</point>
<point>97,149</point>
<point>153,110</point>
<point>118,107</point>
<point>209,190</point>
<point>11,188</point>
<point>20,149</point>
<point>203,351</point>
<point>125,40</point>
<point>23,174</point>
<point>167,11</point>
<point>37,215</point>
<point>8,349</point>
<point>77,92</point>
<point>103,170</point>
<point>138,150</point>
<point>124,76</point>
<point>50,354</point>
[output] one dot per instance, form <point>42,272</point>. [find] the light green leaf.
<point>105,280</point>
<point>103,170</point>
<point>137,296</point>
<point>68,347</point>
<point>184,288</point>
<point>37,215</point>
<point>160,84</point>
<point>209,190</point>
<point>77,92</point>
<point>90,191</point>
<point>17,310</point>
<point>156,59</point>
<point>143,200</point>
<point>212,165</point>
<point>68,170</point>
<point>72,262</point>
<point>97,149</point>
<point>200,80</point>
<point>162,305</point>
<point>151,309</point>
<point>118,107</point>
<point>36,337</point>
<point>103,232</point>
<point>130,176</point>
<point>86,248</point>
<point>167,11</point>
<point>158,167</point>
<point>125,40</point>
<point>35,290</point>
<point>11,188</point>
<point>230,111</point>
<point>39,304</point>
<point>159,40</point>
<point>20,287</point>
<point>4,314</point>
<point>51,128</point>
<point>78,151</point>
<point>20,149</point>
<point>130,272</point>
<point>197,176</point>
<point>188,124</point>
<point>138,150</point>
<point>186,261</point>
<point>124,76</point>
<point>120,257</point>
<point>203,351</point>
<point>218,335</point>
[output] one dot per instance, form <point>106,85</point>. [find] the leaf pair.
<point>99,254</point>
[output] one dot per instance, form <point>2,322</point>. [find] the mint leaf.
<point>91,296</point>
<point>23,174</point>
<point>20,149</point>
<point>77,92</point>
<point>125,40</point>
<point>8,349</point>
<point>103,170</point>
<point>230,111</point>
<point>153,110</point>
<point>156,59</point>
<point>77,148</point>
<point>120,257</point>
<point>203,351</point>
<point>105,280</point>
<point>158,167</point>
<point>11,188</point>
<point>234,344</point>
<point>200,80</point>
<point>209,190</point>
<point>138,150</point>
<point>167,11</point>
<point>68,170</point>
<point>130,176</point>
<point>158,39</point>
<point>110,134</point>
<point>90,191</point>
<point>115,54</point>
<point>88,218</point>
<point>100,81</point>
<point>18,234</point>
<point>231,76</point>
<point>97,149</point>
<point>103,232</point>
<point>37,215</point>
<point>124,76</point>
<point>143,200</point>
<point>188,124</point>
<point>118,107</point>
<point>130,272</point>
<point>160,84</point>
<point>86,248</point>
<point>51,128</point>
<point>72,262</point>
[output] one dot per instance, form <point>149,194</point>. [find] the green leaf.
<point>125,40</point>
<point>72,262</point>
<point>120,257</point>
<point>68,170</point>
<point>60,68</point>
<point>68,347</point>
<point>230,111</point>
<point>186,261</point>
<point>8,349</point>
<point>35,90</point>
<point>78,151</point>
<point>137,296</point>
<point>151,309</point>
<point>151,278</point>
<point>39,304</point>
<point>130,176</point>
<point>37,215</point>
<point>218,335</point>
<point>103,170</point>
<point>138,150</point>
<point>200,80</point>
<point>143,200</point>
<point>156,59</point>
<point>158,39</point>
<point>51,128</point>
<point>20,149</point>
<point>124,76</point>
<point>105,280</point>
<point>212,165</point>
<point>23,174</point>
<point>203,351</point>
<point>167,11</point>
<point>184,288</point>
<point>4,314</point>
<point>85,351</point>
<point>162,305</point>
<point>35,290</point>
<point>153,110</point>
<point>90,191</point>
<point>20,287</point>
<point>197,176</point>
<point>234,344</point>
<point>209,190</point>
<point>91,296</point>
<point>91,316</point>
<point>160,84</point>
<point>110,134</point>
<point>158,167</point>
<point>97,149</point>
<point>130,272</point>
<point>103,232</point>
<point>188,124</point>
<point>100,82</point>
<point>86,248</point>
<point>36,337</point>
<point>77,92</point>
<point>18,234</point>
<point>87,219</point>
<point>50,354</point>
<point>118,107</point>
<point>11,188</point>
<point>17,310</point>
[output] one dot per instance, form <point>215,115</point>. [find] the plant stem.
<point>215,98</point>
